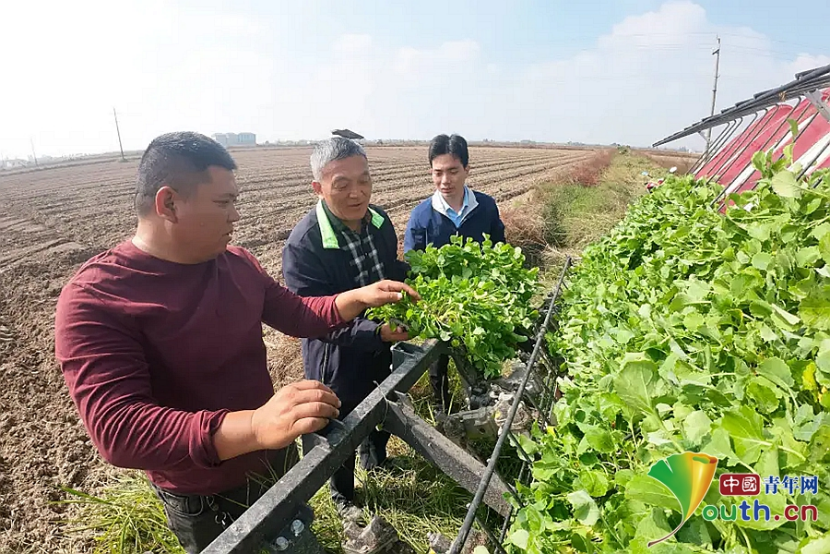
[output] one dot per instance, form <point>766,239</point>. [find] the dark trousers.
<point>372,453</point>
<point>197,520</point>
<point>440,382</point>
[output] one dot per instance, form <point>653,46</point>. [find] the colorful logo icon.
<point>688,476</point>
<point>739,484</point>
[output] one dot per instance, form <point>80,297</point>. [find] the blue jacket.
<point>352,360</point>
<point>429,224</point>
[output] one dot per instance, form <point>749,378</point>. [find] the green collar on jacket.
<point>327,230</point>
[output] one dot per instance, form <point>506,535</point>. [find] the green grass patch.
<point>575,215</point>
<point>124,518</point>
<point>412,496</point>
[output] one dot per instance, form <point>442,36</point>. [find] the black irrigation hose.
<point>461,539</point>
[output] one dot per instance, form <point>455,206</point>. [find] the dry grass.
<point>127,517</point>
<point>535,223</point>
<point>525,227</point>
<point>560,218</point>
<point>285,362</point>
<point>588,173</point>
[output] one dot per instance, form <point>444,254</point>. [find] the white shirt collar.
<point>440,205</point>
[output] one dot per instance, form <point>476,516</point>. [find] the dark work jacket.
<point>429,226</point>
<point>352,360</point>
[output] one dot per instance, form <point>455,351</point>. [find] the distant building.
<point>13,164</point>
<point>234,139</point>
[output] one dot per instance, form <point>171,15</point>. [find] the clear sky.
<point>627,71</point>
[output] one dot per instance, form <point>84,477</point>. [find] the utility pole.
<point>716,53</point>
<point>117,130</point>
<point>32,142</point>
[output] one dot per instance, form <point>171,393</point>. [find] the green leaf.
<point>793,128</point>
<point>808,256</point>
<point>528,445</point>
<point>519,538</point>
<point>784,184</point>
<point>696,426</point>
<point>584,508</point>
<point>785,315</point>
<point>777,371</point>
<point>719,446</point>
<point>761,260</point>
<point>815,309</point>
<point>652,492</point>
<point>634,382</point>
<point>760,231</point>
<point>788,153</point>
<point>823,356</point>
<point>817,545</point>
<point>695,532</point>
<point>745,427</point>
<point>600,440</point>
<point>764,396</point>
<point>622,477</point>
<point>682,300</point>
<point>659,438</point>
<point>821,231</point>
<point>768,334</point>
<point>759,160</point>
<point>594,482</point>
<point>699,290</point>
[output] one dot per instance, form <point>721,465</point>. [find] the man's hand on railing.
<point>296,409</point>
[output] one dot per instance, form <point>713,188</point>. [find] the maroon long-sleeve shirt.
<point>155,354</point>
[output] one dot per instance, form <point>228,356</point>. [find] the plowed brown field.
<point>54,219</point>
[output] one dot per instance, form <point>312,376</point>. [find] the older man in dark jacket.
<point>340,244</point>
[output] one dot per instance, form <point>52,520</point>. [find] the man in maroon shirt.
<point>160,343</point>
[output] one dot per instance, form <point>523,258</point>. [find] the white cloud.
<point>353,44</point>
<point>417,66</point>
<point>805,62</point>
<point>650,76</point>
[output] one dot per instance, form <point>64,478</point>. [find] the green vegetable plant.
<point>475,297</point>
<point>687,329</point>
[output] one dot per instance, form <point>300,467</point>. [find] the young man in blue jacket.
<point>453,209</point>
<point>340,243</point>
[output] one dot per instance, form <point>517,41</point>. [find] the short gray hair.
<point>329,150</point>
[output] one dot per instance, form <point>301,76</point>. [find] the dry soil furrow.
<point>290,187</point>
<point>485,183</point>
<point>410,184</point>
<point>269,230</point>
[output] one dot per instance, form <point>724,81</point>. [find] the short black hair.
<point>455,145</point>
<point>179,160</point>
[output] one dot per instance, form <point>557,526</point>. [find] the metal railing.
<point>800,95</point>
<point>265,521</point>
<point>543,404</point>
<point>279,520</point>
